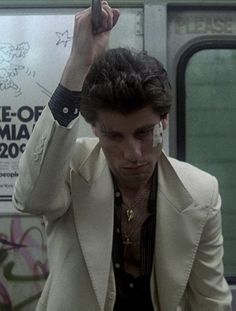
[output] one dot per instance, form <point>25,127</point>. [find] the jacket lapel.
<point>180,222</point>
<point>94,219</point>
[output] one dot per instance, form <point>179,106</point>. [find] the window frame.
<point>181,96</point>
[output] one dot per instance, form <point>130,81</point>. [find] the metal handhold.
<point>96,15</point>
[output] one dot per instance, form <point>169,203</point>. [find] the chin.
<point>131,176</point>
<point>134,179</point>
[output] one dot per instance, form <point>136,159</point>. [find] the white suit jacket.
<point>72,188</point>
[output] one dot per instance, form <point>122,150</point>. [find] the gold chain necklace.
<point>131,207</point>
<point>130,216</point>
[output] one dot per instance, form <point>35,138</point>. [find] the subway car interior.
<point>196,43</point>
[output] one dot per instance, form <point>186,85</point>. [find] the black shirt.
<point>134,293</point>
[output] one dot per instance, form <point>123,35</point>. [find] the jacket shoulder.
<point>202,186</point>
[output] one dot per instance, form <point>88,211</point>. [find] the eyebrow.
<point>104,129</point>
<point>144,128</point>
<point>138,130</point>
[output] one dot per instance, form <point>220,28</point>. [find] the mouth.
<point>135,167</point>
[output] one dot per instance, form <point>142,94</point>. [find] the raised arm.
<point>87,46</point>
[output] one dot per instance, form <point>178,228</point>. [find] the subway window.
<point>207,103</point>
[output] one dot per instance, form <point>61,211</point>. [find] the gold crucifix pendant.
<point>127,241</point>
<point>130,214</point>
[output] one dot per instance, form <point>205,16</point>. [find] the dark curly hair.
<point>124,81</point>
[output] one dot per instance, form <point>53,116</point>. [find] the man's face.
<point>127,142</point>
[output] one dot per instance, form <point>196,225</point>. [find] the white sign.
<point>34,46</point>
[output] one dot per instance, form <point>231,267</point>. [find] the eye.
<point>112,136</point>
<point>143,133</point>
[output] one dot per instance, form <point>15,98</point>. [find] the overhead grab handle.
<point>96,15</point>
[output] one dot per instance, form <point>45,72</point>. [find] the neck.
<point>133,190</point>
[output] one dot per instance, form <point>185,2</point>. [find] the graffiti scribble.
<point>11,245</point>
<point>8,68</point>
<point>44,90</point>
<point>23,264</point>
<point>63,38</point>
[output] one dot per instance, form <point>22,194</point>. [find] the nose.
<point>133,150</point>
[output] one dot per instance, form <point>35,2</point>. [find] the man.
<point>128,228</point>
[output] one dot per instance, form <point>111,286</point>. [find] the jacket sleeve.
<point>208,290</point>
<point>42,186</point>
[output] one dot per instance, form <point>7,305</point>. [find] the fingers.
<point>109,17</point>
<point>116,15</point>
<point>112,15</point>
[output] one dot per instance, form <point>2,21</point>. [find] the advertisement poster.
<point>16,126</point>
<point>33,50</point>
<point>34,47</point>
